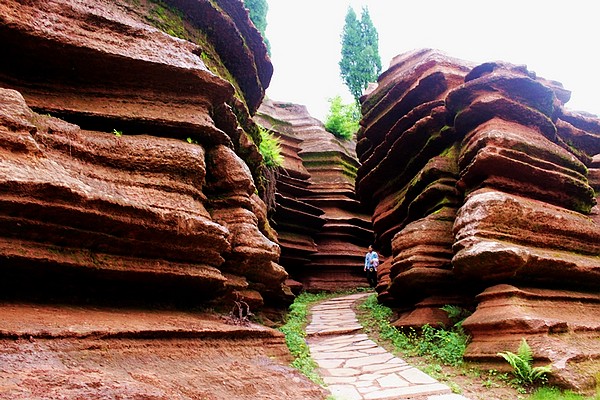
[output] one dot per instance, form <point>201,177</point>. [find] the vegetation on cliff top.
<point>257,10</point>
<point>360,63</point>
<point>342,119</point>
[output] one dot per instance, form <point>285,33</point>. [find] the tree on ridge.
<point>360,63</point>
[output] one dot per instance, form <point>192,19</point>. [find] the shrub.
<point>342,119</point>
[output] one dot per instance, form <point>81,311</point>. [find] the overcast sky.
<point>558,40</point>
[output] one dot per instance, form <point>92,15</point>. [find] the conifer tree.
<point>360,63</point>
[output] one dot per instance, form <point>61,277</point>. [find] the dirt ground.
<point>75,353</point>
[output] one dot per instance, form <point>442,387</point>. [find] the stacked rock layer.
<point>323,229</point>
<point>124,168</point>
<point>483,190</point>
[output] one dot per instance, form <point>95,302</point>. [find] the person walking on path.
<point>371,264</point>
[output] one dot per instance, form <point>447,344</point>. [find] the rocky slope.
<point>482,190</point>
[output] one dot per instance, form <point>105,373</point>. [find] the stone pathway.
<point>356,368</point>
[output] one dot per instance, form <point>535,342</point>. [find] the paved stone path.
<point>356,368</point>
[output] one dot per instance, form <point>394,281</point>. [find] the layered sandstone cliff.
<point>322,183</point>
<point>130,185</point>
<point>482,186</point>
<point>125,160</point>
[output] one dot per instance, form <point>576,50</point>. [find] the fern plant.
<point>270,149</point>
<point>456,314</point>
<point>522,364</point>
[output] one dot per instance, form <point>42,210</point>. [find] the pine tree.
<point>360,63</point>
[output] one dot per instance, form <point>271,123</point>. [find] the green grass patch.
<point>550,393</point>
<point>295,335</point>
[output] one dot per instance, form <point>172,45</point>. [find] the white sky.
<point>558,40</point>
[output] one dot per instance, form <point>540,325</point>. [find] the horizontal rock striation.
<point>322,183</point>
<point>142,190</point>
<point>76,352</point>
<point>487,182</point>
<point>297,221</point>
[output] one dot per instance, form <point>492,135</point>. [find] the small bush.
<point>342,119</point>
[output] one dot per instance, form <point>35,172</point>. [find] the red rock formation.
<point>123,196</point>
<point>297,222</point>
<point>332,250</point>
<point>128,183</point>
<point>91,353</point>
<point>488,181</point>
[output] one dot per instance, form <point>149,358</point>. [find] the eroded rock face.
<point>324,231</point>
<point>73,352</point>
<point>478,176</point>
<point>142,188</point>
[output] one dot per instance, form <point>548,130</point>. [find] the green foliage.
<point>456,314</point>
<point>270,149</point>
<point>117,133</point>
<point>522,364</point>
<point>258,15</point>
<point>548,393</point>
<point>360,63</point>
<point>342,119</point>
<point>294,331</point>
<point>168,19</point>
<point>445,346</point>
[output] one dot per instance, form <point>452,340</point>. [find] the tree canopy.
<point>258,15</point>
<point>360,63</point>
<point>342,119</point>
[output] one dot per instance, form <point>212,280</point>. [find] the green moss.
<point>167,19</point>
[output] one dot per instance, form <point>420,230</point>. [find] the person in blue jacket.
<point>371,264</point>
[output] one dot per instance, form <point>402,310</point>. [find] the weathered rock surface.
<point>297,221</point>
<point>63,352</point>
<point>128,181</point>
<point>126,194</point>
<point>325,229</point>
<point>478,176</point>
<point>561,326</point>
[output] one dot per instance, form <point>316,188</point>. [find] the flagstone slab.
<point>452,396</point>
<point>397,393</point>
<point>336,380</point>
<point>392,381</point>
<point>343,372</point>
<point>369,360</point>
<point>345,392</point>
<point>414,375</point>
